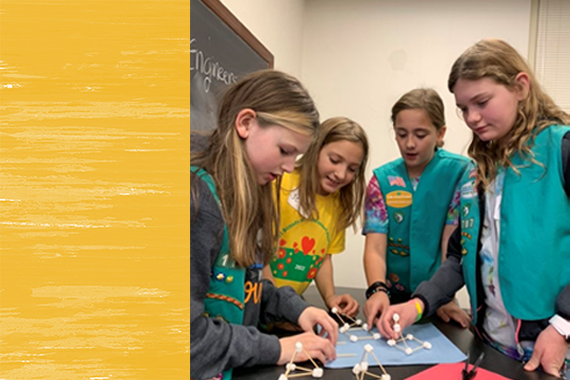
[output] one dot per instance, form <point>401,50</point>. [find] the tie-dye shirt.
<point>377,214</point>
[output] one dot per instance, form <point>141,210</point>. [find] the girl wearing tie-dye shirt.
<point>411,207</point>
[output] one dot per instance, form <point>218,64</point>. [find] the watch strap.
<point>561,325</point>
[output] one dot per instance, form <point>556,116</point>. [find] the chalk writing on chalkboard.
<point>221,51</point>
<point>208,68</point>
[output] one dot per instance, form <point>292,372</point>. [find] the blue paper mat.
<point>442,351</point>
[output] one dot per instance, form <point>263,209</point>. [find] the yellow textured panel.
<point>94,189</point>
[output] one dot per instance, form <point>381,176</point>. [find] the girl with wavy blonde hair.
<point>498,61</point>
<point>512,248</point>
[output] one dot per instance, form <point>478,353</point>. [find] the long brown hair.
<point>351,196</point>
<point>425,99</point>
<point>499,61</point>
<point>277,99</point>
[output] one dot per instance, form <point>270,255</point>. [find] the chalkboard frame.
<point>233,23</point>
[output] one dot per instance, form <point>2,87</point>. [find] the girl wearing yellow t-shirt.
<point>318,201</point>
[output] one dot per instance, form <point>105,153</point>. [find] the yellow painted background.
<point>94,189</point>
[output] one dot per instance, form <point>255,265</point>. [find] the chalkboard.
<point>221,51</point>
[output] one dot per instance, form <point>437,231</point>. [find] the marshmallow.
<point>318,372</point>
<point>356,369</point>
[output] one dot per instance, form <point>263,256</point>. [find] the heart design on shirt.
<point>307,244</point>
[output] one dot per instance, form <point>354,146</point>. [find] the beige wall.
<point>357,57</point>
<point>360,56</point>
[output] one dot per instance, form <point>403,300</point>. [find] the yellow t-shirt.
<point>303,243</point>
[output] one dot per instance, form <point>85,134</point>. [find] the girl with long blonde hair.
<point>265,121</point>
<point>318,202</point>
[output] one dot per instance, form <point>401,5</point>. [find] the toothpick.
<point>379,364</point>
<point>300,374</point>
<point>310,358</point>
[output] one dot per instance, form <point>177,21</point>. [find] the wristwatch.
<point>561,325</point>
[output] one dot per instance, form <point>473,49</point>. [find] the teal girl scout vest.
<point>417,218</point>
<point>225,298</point>
<point>534,254</point>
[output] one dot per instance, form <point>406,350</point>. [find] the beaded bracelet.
<point>378,286</point>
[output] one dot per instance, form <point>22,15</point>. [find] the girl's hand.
<point>408,314</point>
<point>312,316</point>
<point>453,311</point>
<point>344,302</point>
<point>316,346</point>
<point>375,306</point>
<point>549,352</point>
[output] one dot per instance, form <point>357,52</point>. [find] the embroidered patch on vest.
<point>398,217</point>
<point>399,199</point>
<point>466,209</point>
<point>396,181</point>
<point>468,190</point>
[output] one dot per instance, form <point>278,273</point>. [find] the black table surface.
<point>463,338</point>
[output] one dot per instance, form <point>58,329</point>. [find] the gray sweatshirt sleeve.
<point>441,288</point>
<point>448,279</point>
<point>563,303</point>
<point>216,345</point>
<point>280,304</point>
